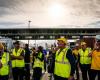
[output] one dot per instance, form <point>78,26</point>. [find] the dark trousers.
<point>4,77</point>
<point>37,73</point>
<point>45,65</point>
<point>77,72</point>
<point>59,78</point>
<point>18,73</point>
<point>95,73</point>
<point>27,71</point>
<point>85,69</point>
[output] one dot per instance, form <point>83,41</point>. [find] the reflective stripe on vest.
<point>62,65</point>
<point>18,63</point>
<point>5,68</point>
<point>37,62</point>
<point>84,58</point>
<point>61,62</point>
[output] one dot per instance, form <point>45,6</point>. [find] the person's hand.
<point>71,78</point>
<point>54,49</point>
<point>12,57</point>
<point>90,54</point>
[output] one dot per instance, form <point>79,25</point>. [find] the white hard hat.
<point>97,37</point>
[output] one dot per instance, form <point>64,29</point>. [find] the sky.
<point>50,13</point>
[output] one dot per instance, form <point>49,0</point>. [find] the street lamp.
<point>29,24</point>
<point>29,29</point>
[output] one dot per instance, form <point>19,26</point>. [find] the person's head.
<point>76,46</point>
<point>98,45</point>
<point>98,42</point>
<point>17,44</point>
<point>33,49</point>
<point>40,49</point>
<point>26,46</point>
<point>1,49</point>
<point>83,45</point>
<point>62,42</point>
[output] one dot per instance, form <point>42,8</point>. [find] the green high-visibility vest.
<point>84,56</point>
<point>62,64</point>
<point>37,62</point>
<point>5,68</point>
<point>17,63</point>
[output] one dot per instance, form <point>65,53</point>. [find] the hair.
<point>40,48</point>
<point>26,45</point>
<point>16,42</point>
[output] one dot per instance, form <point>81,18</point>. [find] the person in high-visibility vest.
<point>4,67</point>
<point>75,53</point>
<point>85,60</point>
<point>38,63</point>
<point>27,62</point>
<point>18,64</point>
<point>95,65</point>
<point>64,62</point>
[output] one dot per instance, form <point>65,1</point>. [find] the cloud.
<point>8,3</point>
<point>10,23</point>
<point>9,7</point>
<point>80,7</point>
<point>82,12</point>
<point>5,11</point>
<point>94,24</point>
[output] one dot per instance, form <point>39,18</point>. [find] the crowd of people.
<point>61,62</point>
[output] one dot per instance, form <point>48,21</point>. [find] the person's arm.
<point>0,64</point>
<point>18,57</point>
<point>42,58</point>
<point>91,53</point>
<point>21,56</point>
<point>78,58</point>
<point>71,59</point>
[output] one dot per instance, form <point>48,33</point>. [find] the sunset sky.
<point>50,13</point>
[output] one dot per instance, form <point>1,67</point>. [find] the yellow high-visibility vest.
<point>5,68</point>
<point>37,62</point>
<point>62,64</point>
<point>84,56</point>
<point>18,63</point>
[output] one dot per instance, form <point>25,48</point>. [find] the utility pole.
<point>29,30</point>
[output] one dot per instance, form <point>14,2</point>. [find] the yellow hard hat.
<point>1,46</point>
<point>62,39</point>
<point>83,43</point>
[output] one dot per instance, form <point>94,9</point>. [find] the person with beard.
<point>64,61</point>
<point>4,60</point>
